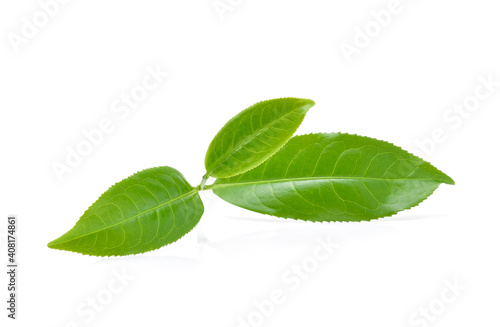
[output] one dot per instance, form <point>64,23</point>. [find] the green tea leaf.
<point>254,135</point>
<point>333,177</point>
<point>143,212</point>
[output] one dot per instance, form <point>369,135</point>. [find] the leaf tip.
<point>309,103</point>
<point>448,180</point>
<point>52,245</point>
<point>56,244</point>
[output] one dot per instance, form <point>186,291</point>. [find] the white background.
<point>64,79</point>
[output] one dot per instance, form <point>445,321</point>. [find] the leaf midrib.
<point>131,218</point>
<point>283,180</point>
<point>250,137</point>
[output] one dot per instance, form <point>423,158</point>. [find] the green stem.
<point>204,181</point>
<point>209,187</point>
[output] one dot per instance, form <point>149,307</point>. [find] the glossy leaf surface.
<point>334,177</point>
<point>143,212</point>
<point>254,135</point>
